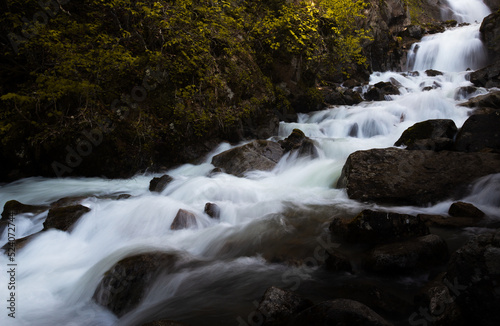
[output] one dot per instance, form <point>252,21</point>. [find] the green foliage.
<point>216,59</point>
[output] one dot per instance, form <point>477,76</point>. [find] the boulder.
<point>343,97</point>
<point>487,77</point>
<point>479,133</point>
<point>473,276</point>
<point>256,155</point>
<point>339,312</point>
<point>407,256</point>
<point>435,304</point>
<point>380,91</point>
<point>159,184</point>
<point>278,306</point>
<point>63,218</point>
<point>124,285</point>
<point>435,135</point>
<point>461,209</point>
<point>212,210</point>
<point>397,176</point>
<point>433,73</point>
<point>13,207</point>
<point>449,221</point>
<point>297,141</point>
<point>378,227</point>
<point>337,262</point>
<point>490,100</point>
<point>183,220</point>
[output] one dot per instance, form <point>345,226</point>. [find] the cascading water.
<point>264,216</point>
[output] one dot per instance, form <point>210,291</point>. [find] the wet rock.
<point>158,184</point>
<point>487,77</point>
<point>490,30</point>
<point>183,220</point>
<point>278,306</point>
<point>13,207</point>
<point>433,73</point>
<point>124,285</point>
<point>429,135</point>
<point>436,301</point>
<point>461,209</point>
<point>479,133</point>
<point>62,218</point>
<point>399,176</point>
<point>337,262</point>
<point>380,91</point>
<point>68,201</point>
<point>378,227</point>
<point>464,92</point>
<point>490,100</point>
<point>212,210</point>
<point>297,141</point>
<point>473,276</point>
<point>418,253</point>
<point>449,221</point>
<point>343,97</point>
<point>339,312</point>
<point>257,155</point>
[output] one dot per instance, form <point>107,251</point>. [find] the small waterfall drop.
<point>465,11</point>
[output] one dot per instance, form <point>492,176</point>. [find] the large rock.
<point>257,155</point>
<point>378,227</point>
<point>487,77</point>
<point>380,91</point>
<point>490,32</point>
<point>431,134</point>
<point>407,256</point>
<point>158,184</point>
<point>449,221</point>
<point>183,220</point>
<point>299,142</point>
<point>278,306</point>
<point>13,207</point>
<point>473,276</point>
<point>490,100</point>
<point>398,176</point>
<point>480,132</point>
<point>339,312</point>
<point>63,218</point>
<point>125,284</point>
<point>461,209</point>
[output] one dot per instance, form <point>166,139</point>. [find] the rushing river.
<point>266,217</point>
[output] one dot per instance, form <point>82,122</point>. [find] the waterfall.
<point>265,216</point>
<point>456,49</point>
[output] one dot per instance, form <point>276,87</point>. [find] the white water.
<point>465,11</point>
<point>264,214</point>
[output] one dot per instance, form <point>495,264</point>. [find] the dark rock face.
<point>490,30</point>
<point>429,135</point>
<point>412,177</point>
<point>159,184</point>
<point>473,276</point>
<point>339,312</point>
<point>257,155</point>
<point>461,209</point>
<point>436,300</point>
<point>337,262</point>
<point>378,227</point>
<point>278,306</point>
<point>417,253</point>
<point>63,218</point>
<point>297,141</point>
<point>125,284</point>
<point>480,133</point>
<point>183,220</point>
<point>493,4</point>
<point>380,91</point>
<point>212,210</point>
